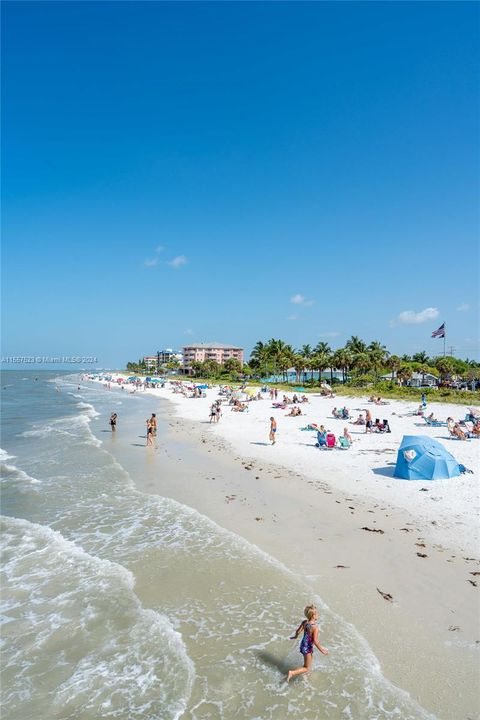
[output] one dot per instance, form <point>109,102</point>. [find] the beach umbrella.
<point>422,458</point>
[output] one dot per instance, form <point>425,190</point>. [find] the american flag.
<point>440,332</point>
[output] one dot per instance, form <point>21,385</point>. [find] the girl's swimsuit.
<point>306,646</point>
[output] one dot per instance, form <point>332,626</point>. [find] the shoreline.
<point>315,529</point>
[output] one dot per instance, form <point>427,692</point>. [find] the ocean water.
<point>120,604</point>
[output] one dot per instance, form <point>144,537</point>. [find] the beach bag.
<point>331,440</point>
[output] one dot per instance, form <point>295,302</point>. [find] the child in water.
<point>310,638</point>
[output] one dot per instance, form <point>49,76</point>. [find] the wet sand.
<point>415,602</point>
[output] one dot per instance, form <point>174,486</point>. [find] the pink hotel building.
<point>210,351</point>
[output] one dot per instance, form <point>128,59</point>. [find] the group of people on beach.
<point>216,411</point>
<point>151,426</point>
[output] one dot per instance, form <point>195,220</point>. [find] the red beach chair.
<point>331,441</point>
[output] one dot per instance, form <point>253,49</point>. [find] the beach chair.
<point>434,423</point>
<point>331,441</point>
<point>343,443</point>
<point>321,440</point>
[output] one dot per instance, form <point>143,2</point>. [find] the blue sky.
<point>179,172</point>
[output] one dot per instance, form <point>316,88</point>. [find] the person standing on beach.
<point>153,421</point>
<point>309,640</point>
<point>149,433</point>
<point>368,421</point>
<point>113,421</point>
<point>273,430</point>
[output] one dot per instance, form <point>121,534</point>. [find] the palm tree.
<point>423,368</point>
<point>275,350</point>
<point>394,363</point>
<point>445,367</point>
<point>284,363</point>
<point>376,346</point>
<point>343,359</point>
<point>259,357</point>
<point>378,354</point>
<point>323,348</point>
<point>307,353</point>
<point>404,373</point>
<point>299,365</point>
<point>320,362</point>
<point>356,345</point>
<point>377,361</point>
<point>362,362</point>
<point>421,357</point>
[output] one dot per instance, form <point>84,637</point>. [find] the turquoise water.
<point>120,604</point>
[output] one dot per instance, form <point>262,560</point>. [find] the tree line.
<point>356,360</point>
<point>359,363</point>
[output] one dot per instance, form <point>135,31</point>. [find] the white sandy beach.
<point>308,507</point>
<point>449,509</point>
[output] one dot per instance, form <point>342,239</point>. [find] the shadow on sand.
<point>386,471</point>
<point>260,443</point>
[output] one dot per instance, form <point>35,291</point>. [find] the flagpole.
<point>444,337</point>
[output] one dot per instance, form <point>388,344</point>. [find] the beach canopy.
<point>422,458</point>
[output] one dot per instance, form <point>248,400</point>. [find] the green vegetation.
<point>362,369</point>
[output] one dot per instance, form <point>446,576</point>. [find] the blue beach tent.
<point>422,458</point>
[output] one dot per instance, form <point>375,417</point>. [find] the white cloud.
<point>297,299</point>
<point>159,249</point>
<point>151,263</point>
<point>178,261</point>
<point>301,300</point>
<point>292,317</point>
<point>188,331</point>
<point>464,307</point>
<point>330,334</point>
<point>410,317</point>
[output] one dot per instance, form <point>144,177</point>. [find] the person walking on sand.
<point>153,421</point>
<point>273,430</point>
<point>213,412</point>
<point>113,421</point>
<point>309,640</point>
<point>368,421</point>
<point>149,433</point>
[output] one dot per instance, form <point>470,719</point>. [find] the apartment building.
<point>210,351</point>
